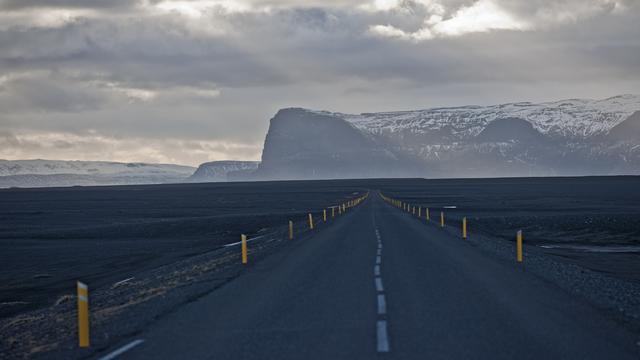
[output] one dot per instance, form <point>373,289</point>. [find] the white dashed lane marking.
<point>383,339</point>
<point>381,325</point>
<point>122,350</point>
<point>382,305</point>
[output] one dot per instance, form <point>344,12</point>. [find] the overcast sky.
<point>189,81</point>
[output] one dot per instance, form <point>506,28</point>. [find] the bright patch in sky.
<point>198,8</point>
<point>384,5</point>
<point>482,16</point>
<point>51,18</point>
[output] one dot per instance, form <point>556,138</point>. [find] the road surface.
<point>380,283</point>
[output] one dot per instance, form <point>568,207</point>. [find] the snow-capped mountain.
<point>37,173</point>
<point>568,137</point>
<point>574,118</point>
<point>216,171</point>
<point>49,167</point>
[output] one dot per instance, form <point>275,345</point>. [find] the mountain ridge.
<point>572,137</point>
<point>223,170</point>
<point>561,138</point>
<point>563,118</point>
<point>45,173</point>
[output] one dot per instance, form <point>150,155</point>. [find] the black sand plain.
<point>593,222</point>
<point>49,238</point>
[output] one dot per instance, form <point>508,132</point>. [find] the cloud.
<point>7,5</point>
<point>92,145</point>
<point>482,16</point>
<point>443,20</point>
<point>192,72</point>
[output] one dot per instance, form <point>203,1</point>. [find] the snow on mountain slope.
<point>568,138</point>
<point>222,170</point>
<point>575,118</point>
<point>43,173</point>
<point>49,167</point>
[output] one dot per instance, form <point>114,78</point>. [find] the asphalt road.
<point>380,283</point>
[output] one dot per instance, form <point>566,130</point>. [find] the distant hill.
<point>568,137</point>
<point>39,173</point>
<point>216,171</point>
<point>560,138</point>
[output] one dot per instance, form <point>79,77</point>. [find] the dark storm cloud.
<point>133,51</point>
<point>192,72</point>
<point>44,91</point>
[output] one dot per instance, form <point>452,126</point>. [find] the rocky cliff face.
<point>570,137</point>
<point>302,144</point>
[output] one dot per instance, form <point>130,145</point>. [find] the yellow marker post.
<point>441,219</point>
<point>83,314</point>
<point>464,227</point>
<point>333,211</point>
<point>419,211</point>
<point>243,242</point>
<point>310,221</point>
<point>290,230</point>
<point>324,215</point>
<point>519,246</point>
<point>427,211</point>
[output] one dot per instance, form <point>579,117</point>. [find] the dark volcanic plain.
<point>168,242</point>
<point>591,221</point>
<point>51,237</point>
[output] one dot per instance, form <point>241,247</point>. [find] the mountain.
<point>509,129</point>
<point>628,130</point>
<point>302,144</point>
<point>568,137</point>
<point>565,119</point>
<point>223,171</point>
<point>39,173</point>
